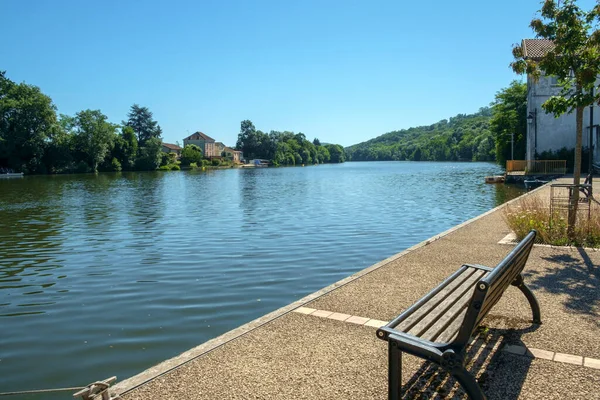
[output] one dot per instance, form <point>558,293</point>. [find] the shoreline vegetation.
<point>35,140</point>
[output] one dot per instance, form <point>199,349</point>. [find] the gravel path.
<point>307,357</point>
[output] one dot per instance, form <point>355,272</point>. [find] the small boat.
<point>9,173</point>
<point>494,179</point>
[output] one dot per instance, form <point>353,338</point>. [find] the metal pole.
<point>591,143</point>
<point>512,146</point>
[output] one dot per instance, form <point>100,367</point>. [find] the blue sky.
<point>342,71</point>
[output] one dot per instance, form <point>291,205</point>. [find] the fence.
<point>537,167</point>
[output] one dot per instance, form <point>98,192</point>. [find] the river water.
<point>110,274</point>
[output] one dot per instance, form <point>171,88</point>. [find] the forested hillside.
<point>462,138</point>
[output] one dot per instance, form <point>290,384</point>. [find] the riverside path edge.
<point>166,366</point>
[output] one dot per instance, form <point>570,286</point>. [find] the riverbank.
<point>324,346</point>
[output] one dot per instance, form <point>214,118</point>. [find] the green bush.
<point>115,165</point>
<point>175,167</point>
<point>215,162</point>
<point>193,165</point>
<point>533,213</point>
<point>164,168</point>
<point>205,163</point>
<point>191,154</point>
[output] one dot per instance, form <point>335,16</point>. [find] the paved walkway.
<point>326,348</point>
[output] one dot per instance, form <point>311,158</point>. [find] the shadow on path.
<point>576,277</point>
<point>485,360</point>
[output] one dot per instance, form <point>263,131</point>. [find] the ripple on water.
<point>109,274</point>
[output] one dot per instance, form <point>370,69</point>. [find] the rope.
<point>67,389</point>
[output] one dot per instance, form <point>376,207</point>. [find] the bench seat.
<point>439,316</point>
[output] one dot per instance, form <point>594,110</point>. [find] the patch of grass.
<point>532,212</point>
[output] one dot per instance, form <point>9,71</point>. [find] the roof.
<point>171,146</point>
<point>230,150</point>
<point>535,49</point>
<point>199,136</point>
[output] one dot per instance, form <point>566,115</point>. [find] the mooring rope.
<point>67,389</point>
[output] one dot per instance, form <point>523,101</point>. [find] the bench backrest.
<point>490,288</point>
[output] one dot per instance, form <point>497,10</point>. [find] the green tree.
<point>509,117</point>
<point>150,155</point>
<point>126,148</point>
<point>141,121</point>
<point>27,124</point>
<point>191,154</point>
<point>250,141</point>
<point>336,153</point>
<point>94,136</point>
<point>574,60</point>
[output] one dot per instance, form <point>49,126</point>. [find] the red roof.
<point>171,146</point>
<point>199,136</point>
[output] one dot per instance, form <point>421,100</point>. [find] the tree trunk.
<point>574,199</point>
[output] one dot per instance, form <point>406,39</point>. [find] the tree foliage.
<point>27,124</point>
<point>141,121</point>
<point>509,117</point>
<point>93,136</point>
<point>285,148</point>
<point>462,138</point>
<point>191,154</point>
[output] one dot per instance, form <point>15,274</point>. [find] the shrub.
<point>532,212</point>
<point>205,163</point>
<point>115,165</point>
<point>164,168</point>
<point>215,162</point>
<point>191,154</point>
<point>175,167</point>
<point>193,165</point>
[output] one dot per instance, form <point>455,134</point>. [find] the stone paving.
<point>324,346</point>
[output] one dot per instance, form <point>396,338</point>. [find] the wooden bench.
<point>438,327</point>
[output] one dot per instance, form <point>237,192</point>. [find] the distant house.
<point>171,148</point>
<point>234,155</point>
<point>544,132</point>
<point>219,148</point>
<point>205,142</point>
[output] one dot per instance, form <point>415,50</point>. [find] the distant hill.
<point>462,138</point>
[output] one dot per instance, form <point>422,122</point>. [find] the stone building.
<point>205,142</point>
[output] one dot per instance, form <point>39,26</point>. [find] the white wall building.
<point>544,131</point>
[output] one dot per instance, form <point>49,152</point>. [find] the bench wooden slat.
<point>436,321</point>
<point>415,307</point>
<point>431,305</point>
<point>449,334</point>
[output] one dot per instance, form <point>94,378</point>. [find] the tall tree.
<point>126,148</point>
<point>27,124</point>
<point>250,140</point>
<point>141,121</point>
<point>509,121</point>
<point>94,136</point>
<point>574,60</point>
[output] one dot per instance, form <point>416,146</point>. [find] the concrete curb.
<point>205,348</point>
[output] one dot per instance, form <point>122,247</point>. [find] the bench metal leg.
<point>535,307</point>
<point>394,371</point>
<point>469,383</point>
<point>453,363</point>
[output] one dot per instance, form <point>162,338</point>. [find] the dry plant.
<point>532,212</point>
